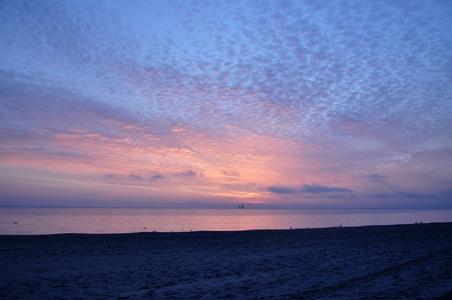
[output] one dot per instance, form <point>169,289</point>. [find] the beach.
<point>372,262</point>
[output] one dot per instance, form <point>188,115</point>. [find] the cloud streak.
<point>309,189</point>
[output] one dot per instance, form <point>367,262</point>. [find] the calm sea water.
<point>21,220</point>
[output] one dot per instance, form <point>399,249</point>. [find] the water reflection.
<point>93,220</point>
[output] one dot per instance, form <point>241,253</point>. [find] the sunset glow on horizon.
<point>335,104</point>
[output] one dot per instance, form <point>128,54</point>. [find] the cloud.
<point>309,189</point>
<point>136,176</point>
<point>309,88</point>
<point>157,176</point>
<point>315,189</point>
<point>380,195</point>
<point>188,173</point>
<point>282,190</point>
<point>231,173</point>
<point>375,177</point>
<point>243,187</point>
<point>415,196</point>
<point>336,196</point>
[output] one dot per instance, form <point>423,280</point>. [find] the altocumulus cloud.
<point>310,189</point>
<point>316,90</point>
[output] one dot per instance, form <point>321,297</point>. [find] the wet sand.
<point>398,262</point>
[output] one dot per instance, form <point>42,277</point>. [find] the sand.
<point>373,262</point>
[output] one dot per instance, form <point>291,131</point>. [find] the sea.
<point>46,220</point>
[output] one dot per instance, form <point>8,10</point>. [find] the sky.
<point>288,104</point>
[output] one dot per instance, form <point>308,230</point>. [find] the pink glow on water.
<point>92,220</point>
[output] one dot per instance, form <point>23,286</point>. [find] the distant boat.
<point>241,206</point>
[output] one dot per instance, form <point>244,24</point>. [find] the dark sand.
<point>375,262</point>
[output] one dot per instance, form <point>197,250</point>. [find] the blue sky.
<point>161,103</point>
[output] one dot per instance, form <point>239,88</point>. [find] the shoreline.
<point>409,261</point>
<point>229,231</point>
